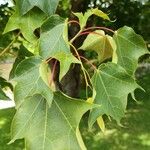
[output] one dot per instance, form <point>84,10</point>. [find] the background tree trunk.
<point>70,84</point>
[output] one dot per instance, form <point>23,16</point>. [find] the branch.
<point>93,66</point>
<point>102,28</point>
<point>8,47</point>
<point>78,34</point>
<point>78,56</point>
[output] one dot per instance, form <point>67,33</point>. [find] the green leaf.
<point>130,46</point>
<point>47,6</point>
<point>30,81</point>
<point>54,43</point>
<point>103,44</point>
<point>84,18</point>
<point>4,84</point>
<point>112,84</point>
<point>27,23</point>
<point>32,46</point>
<point>22,54</point>
<point>3,95</point>
<point>47,128</point>
<point>101,123</point>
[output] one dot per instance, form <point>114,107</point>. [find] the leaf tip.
<point>10,142</point>
<point>101,124</point>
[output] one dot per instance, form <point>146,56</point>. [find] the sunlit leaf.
<point>50,128</point>
<point>101,123</point>
<point>102,44</point>
<point>83,18</point>
<point>27,23</point>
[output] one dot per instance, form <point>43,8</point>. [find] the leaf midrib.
<point>106,94</point>
<point>45,127</point>
<point>71,127</point>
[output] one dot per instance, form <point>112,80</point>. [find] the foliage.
<point>5,39</point>
<point>4,84</point>
<point>45,116</point>
<point>102,44</point>
<point>115,137</point>
<point>121,10</point>
<point>5,12</point>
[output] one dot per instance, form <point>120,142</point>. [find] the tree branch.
<point>8,47</point>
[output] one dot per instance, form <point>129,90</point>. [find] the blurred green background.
<point>135,133</point>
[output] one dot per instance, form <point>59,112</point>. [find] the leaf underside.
<point>102,44</point>
<point>83,18</point>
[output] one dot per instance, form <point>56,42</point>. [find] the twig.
<point>93,66</point>
<point>89,32</point>
<point>8,47</point>
<point>73,21</point>
<point>82,32</point>
<point>102,28</point>
<point>78,34</point>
